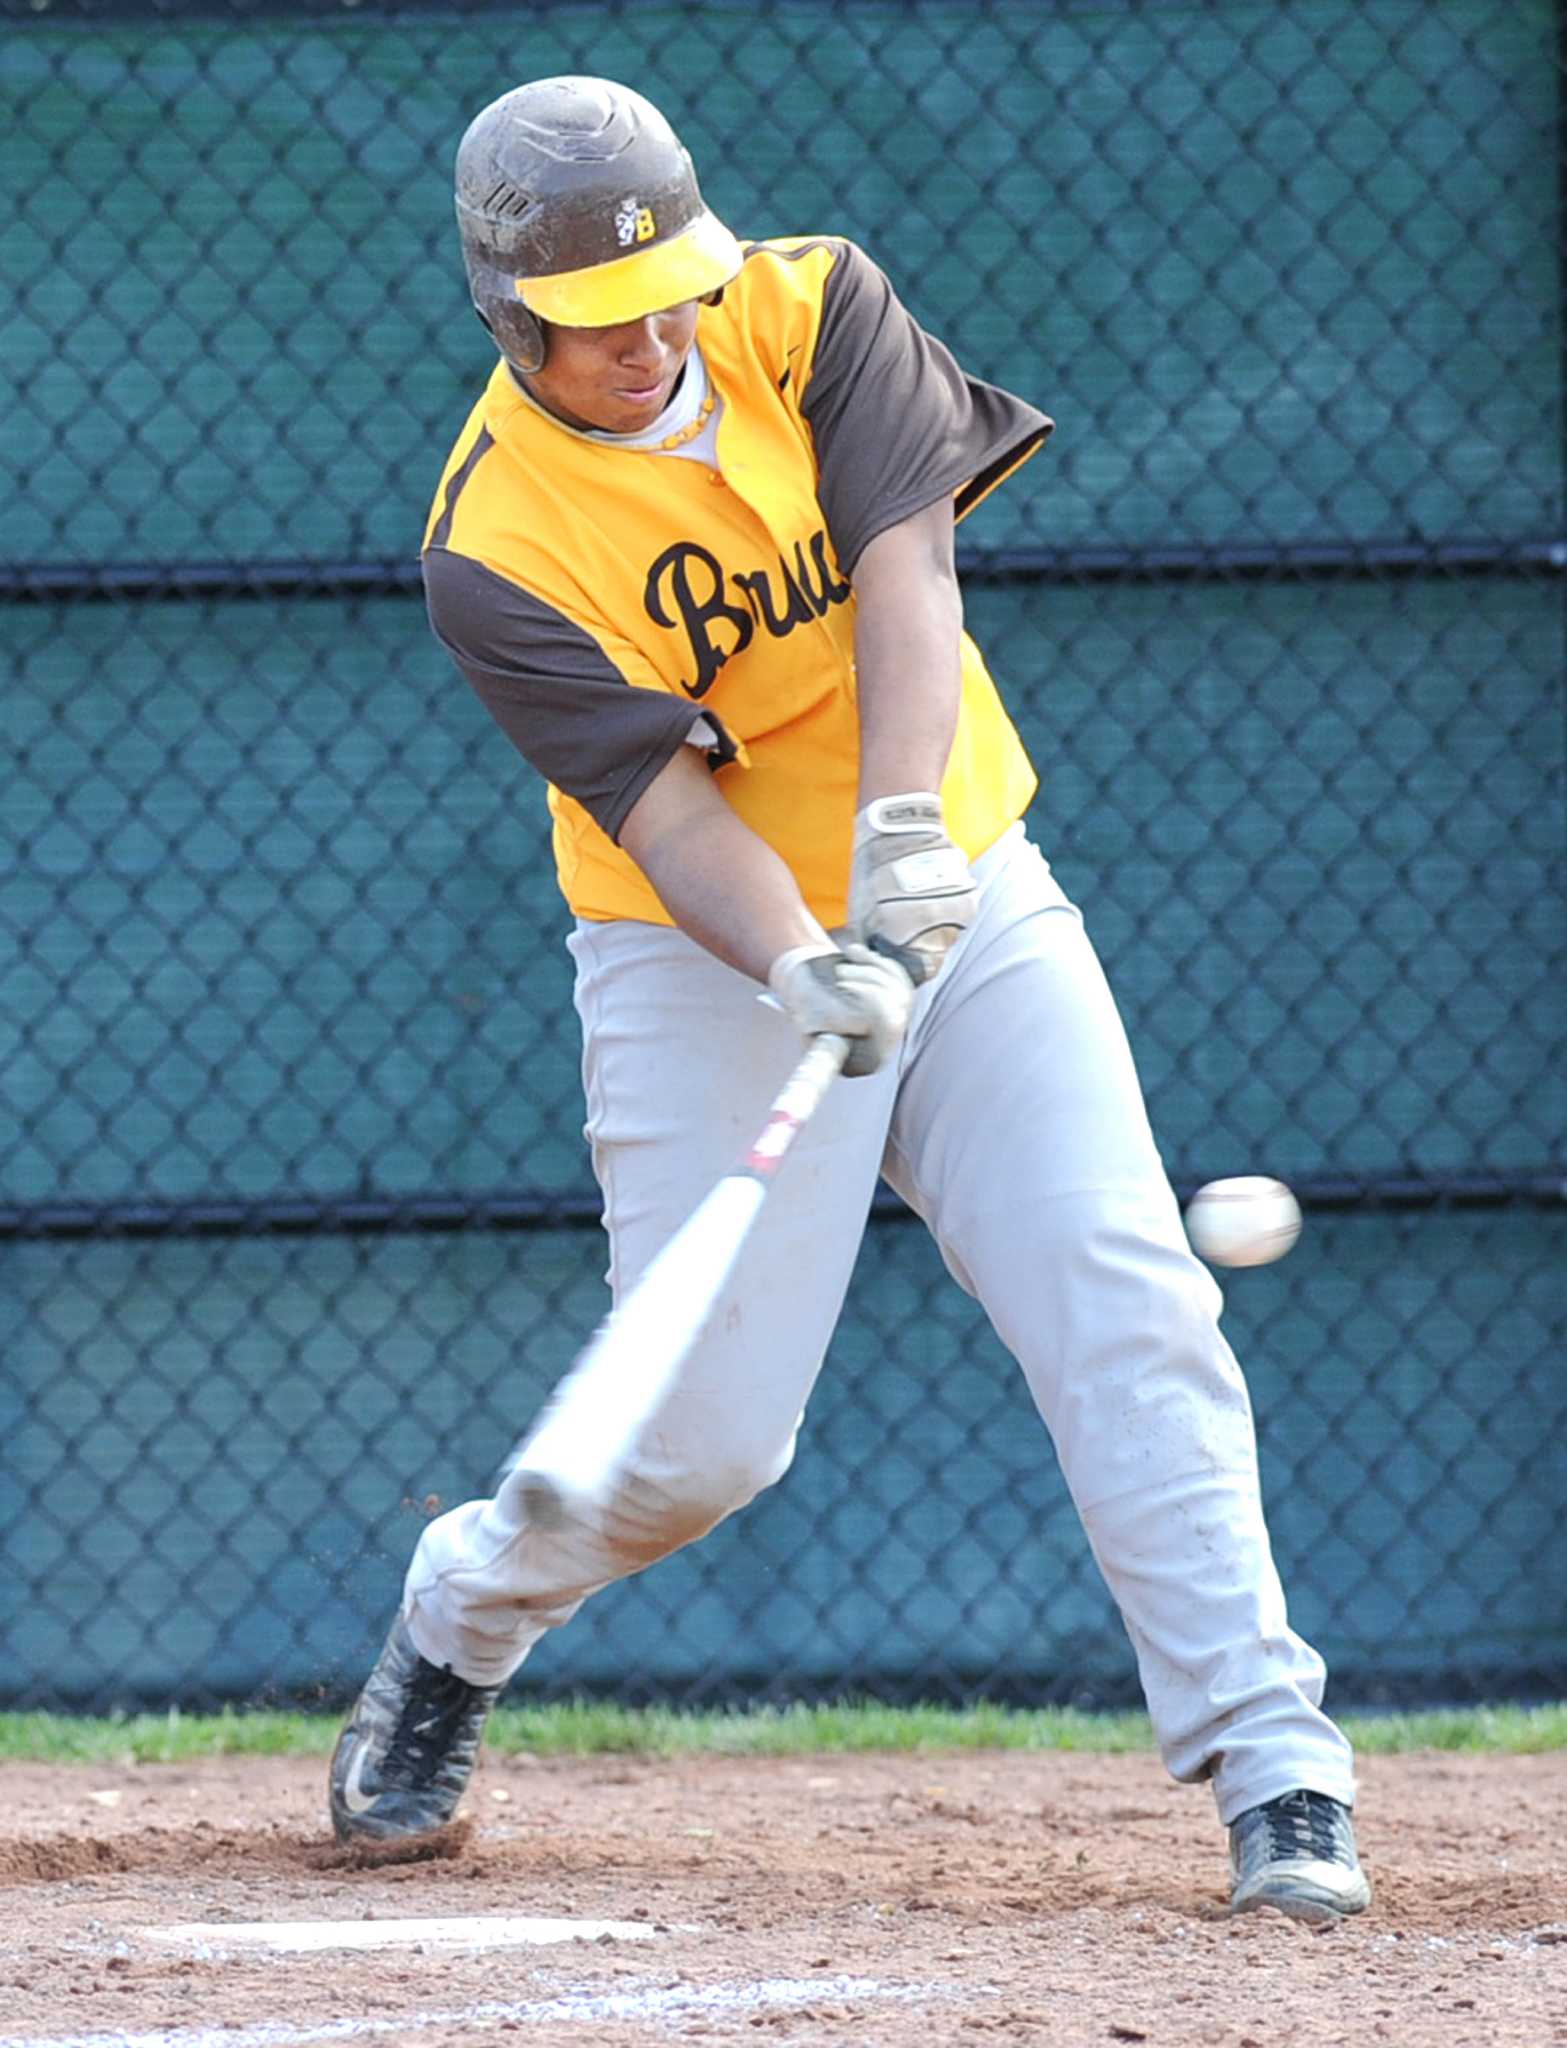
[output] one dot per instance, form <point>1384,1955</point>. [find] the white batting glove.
<point>855,992</point>
<point>910,890</point>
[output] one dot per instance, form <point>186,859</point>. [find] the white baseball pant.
<point>1014,1125</point>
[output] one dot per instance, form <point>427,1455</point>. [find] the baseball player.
<point>694,551</point>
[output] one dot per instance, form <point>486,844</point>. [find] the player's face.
<point>618,379</point>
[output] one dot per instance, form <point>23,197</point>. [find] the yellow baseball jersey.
<point>612,604</point>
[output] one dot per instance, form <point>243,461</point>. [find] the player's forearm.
<point>908,626</point>
<point>720,883</point>
<point>733,895</point>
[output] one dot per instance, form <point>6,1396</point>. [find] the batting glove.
<point>857,993</point>
<point>910,890</point>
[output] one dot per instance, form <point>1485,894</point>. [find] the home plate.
<point>307,1935</point>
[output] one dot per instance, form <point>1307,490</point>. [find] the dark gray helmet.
<point>578,204</point>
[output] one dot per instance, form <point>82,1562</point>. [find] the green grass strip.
<point>593,1728</point>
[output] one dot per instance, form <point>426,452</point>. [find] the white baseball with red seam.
<point>1249,1220</point>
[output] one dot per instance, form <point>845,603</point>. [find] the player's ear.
<point>713,298</point>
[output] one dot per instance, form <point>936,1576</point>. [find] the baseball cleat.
<point>1297,1853</point>
<point>408,1747</point>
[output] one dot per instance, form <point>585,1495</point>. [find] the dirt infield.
<point>885,1900</point>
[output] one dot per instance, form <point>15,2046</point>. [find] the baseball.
<point>1248,1221</point>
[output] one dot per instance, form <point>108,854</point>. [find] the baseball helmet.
<point>578,204</point>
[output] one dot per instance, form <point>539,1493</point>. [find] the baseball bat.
<point>568,1463</point>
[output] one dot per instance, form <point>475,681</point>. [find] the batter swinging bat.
<point>570,1461</point>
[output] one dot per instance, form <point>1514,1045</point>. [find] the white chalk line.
<point>310,1937</point>
<point>672,2001</point>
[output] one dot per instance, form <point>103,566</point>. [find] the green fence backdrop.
<point>296,1225</point>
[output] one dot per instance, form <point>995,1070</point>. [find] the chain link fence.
<point>298,1228</point>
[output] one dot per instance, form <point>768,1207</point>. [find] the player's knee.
<point>656,1510</point>
<point>764,1467</point>
<point>732,1482</point>
<point>1125,1237</point>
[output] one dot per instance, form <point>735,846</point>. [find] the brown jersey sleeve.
<point>556,693</point>
<point>896,422</point>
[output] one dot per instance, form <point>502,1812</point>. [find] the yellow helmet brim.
<point>700,259</point>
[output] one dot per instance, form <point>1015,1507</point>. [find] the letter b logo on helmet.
<point>578,204</point>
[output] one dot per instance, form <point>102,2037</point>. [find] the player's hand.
<point>910,890</point>
<point>859,994</point>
